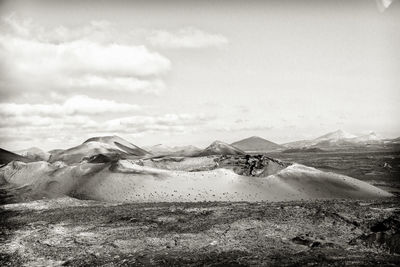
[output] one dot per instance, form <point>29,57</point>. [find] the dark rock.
<point>301,240</point>
<point>385,234</point>
<point>251,165</point>
<point>385,225</point>
<point>101,158</point>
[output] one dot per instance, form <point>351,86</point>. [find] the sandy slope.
<point>181,163</point>
<point>126,181</point>
<point>35,154</point>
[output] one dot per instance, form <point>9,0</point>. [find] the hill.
<point>220,148</point>
<point>256,144</point>
<point>127,181</point>
<point>34,154</point>
<point>368,138</point>
<point>120,144</point>
<point>335,136</point>
<point>161,149</point>
<point>7,156</point>
<point>111,146</point>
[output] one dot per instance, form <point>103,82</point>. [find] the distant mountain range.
<point>161,149</point>
<point>342,140</point>
<point>114,147</point>
<point>215,148</point>
<point>220,148</point>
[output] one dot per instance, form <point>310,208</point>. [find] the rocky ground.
<point>73,232</point>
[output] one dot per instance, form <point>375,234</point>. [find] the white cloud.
<point>99,31</point>
<point>95,56</point>
<point>37,129</point>
<point>186,38</point>
<point>383,4</point>
<point>76,105</point>
<point>167,122</point>
<point>123,84</point>
<point>84,105</point>
<point>34,63</point>
<point>33,123</point>
<point>78,114</point>
<point>93,59</point>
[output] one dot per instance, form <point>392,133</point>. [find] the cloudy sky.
<point>190,72</point>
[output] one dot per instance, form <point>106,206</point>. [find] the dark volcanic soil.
<point>380,168</point>
<point>69,232</point>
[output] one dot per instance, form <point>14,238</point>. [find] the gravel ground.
<point>69,232</point>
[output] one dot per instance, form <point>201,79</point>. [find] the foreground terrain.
<point>108,202</point>
<point>72,232</point>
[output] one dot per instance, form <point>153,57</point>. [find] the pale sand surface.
<point>126,181</point>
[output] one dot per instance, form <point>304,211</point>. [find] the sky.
<point>191,72</point>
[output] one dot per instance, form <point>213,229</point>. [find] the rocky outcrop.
<point>252,165</point>
<point>383,234</point>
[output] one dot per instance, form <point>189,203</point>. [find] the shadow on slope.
<point>7,156</point>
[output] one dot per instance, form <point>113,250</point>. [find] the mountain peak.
<point>255,138</point>
<point>117,143</point>
<point>341,132</point>
<point>104,139</point>
<point>34,153</point>
<point>370,137</point>
<point>255,143</point>
<point>336,135</point>
<point>218,142</point>
<point>220,148</point>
